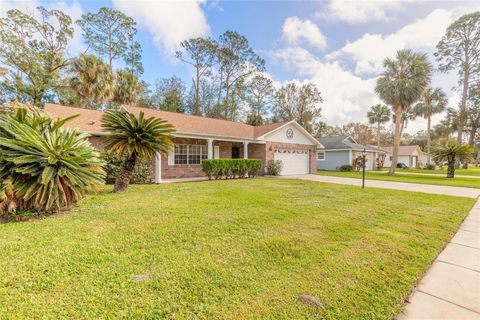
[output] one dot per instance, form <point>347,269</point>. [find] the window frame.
<point>200,153</point>
<point>324,155</point>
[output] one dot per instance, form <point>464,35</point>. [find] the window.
<point>321,155</point>
<point>391,158</point>
<point>190,153</point>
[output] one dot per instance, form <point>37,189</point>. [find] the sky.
<point>338,45</point>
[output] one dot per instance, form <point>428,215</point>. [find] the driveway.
<point>425,188</point>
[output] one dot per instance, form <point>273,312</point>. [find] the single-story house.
<point>412,156</point>
<point>197,138</point>
<point>343,150</point>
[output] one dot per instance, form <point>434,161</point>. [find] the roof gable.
<point>345,143</point>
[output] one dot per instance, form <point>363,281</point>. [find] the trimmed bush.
<point>231,168</point>
<point>274,167</point>
<point>429,167</point>
<point>345,168</point>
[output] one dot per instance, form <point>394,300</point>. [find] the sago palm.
<point>378,115</point>
<point>44,166</point>
<point>128,88</point>
<point>433,101</point>
<point>401,85</point>
<point>93,80</point>
<point>135,138</point>
<point>451,153</point>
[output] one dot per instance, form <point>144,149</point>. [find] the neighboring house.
<point>412,156</point>
<point>343,150</point>
<point>198,138</point>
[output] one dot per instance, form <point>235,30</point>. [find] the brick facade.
<point>264,152</point>
<point>182,170</point>
<point>271,146</point>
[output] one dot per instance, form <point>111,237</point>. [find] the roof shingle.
<point>90,121</point>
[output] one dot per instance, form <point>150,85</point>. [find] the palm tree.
<point>432,101</point>
<point>135,138</point>
<point>400,86</point>
<point>443,130</point>
<point>93,80</point>
<point>128,88</point>
<point>378,114</point>
<point>452,152</point>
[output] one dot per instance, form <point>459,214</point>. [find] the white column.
<point>245,150</point>
<point>210,148</point>
<point>158,168</point>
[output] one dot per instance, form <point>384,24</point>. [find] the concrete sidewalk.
<point>414,187</point>
<point>434,174</point>
<point>450,289</point>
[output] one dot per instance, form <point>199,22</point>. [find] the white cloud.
<point>346,97</point>
<point>360,11</point>
<point>169,22</point>
<point>296,31</point>
<point>369,51</point>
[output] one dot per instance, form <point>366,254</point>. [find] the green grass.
<point>471,171</point>
<point>226,250</point>
<point>458,181</point>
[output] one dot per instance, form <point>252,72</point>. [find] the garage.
<point>295,161</point>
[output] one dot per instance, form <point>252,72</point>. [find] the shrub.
<point>274,167</point>
<point>231,168</point>
<point>345,168</point>
<point>142,174</point>
<point>44,166</point>
<point>429,167</point>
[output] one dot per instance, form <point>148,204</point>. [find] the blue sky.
<point>339,45</point>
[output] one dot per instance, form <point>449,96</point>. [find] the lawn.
<point>471,171</point>
<point>458,181</point>
<point>226,250</point>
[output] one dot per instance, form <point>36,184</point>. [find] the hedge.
<point>231,168</point>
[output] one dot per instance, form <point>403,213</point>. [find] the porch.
<point>184,162</point>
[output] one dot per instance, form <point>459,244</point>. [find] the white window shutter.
<point>171,157</point>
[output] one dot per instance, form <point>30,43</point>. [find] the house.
<point>412,156</point>
<point>197,138</point>
<point>343,150</point>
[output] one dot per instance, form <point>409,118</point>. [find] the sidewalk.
<point>434,174</point>
<point>450,289</point>
<point>414,187</point>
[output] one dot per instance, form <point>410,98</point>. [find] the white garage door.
<point>294,161</point>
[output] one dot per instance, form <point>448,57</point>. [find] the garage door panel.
<point>294,161</point>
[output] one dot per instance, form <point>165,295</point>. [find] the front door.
<point>235,152</point>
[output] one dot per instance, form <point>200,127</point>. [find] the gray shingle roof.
<point>345,142</point>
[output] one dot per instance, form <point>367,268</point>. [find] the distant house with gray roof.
<point>343,150</point>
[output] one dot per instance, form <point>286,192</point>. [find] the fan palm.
<point>452,152</point>
<point>135,138</point>
<point>433,101</point>
<point>378,115</point>
<point>400,86</point>
<point>128,88</point>
<point>44,166</point>
<point>93,81</point>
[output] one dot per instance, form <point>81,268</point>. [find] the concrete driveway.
<point>425,188</point>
